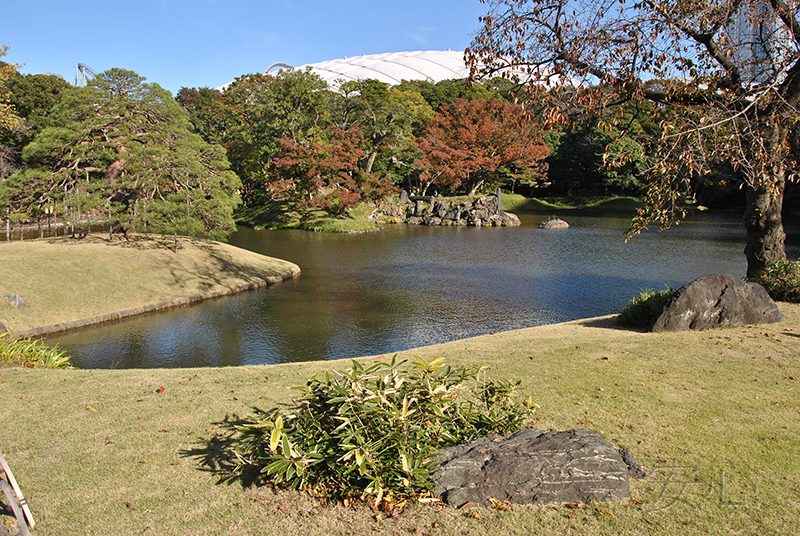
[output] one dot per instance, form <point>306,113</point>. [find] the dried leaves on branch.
<point>723,74</point>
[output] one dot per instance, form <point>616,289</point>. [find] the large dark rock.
<point>534,466</point>
<point>714,301</point>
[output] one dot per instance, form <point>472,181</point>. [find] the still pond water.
<point>410,286</point>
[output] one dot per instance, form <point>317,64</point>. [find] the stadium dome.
<point>391,67</point>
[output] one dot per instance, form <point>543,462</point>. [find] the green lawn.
<point>714,416</point>
<point>66,280</point>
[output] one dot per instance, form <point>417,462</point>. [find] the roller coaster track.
<point>80,74</point>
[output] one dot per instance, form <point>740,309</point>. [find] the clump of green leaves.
<point>643,309</point>
<point>30,353</point>
<point>781,279</point>
<point>372,431</point>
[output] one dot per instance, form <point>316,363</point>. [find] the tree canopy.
<point>467,141</point>
<point>723,74</point>
<point>290,137</point>
<point>123,148</point>
<point>8,117</point>
<point>32,97</point>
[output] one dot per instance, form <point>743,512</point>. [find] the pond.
<point>408,286</point>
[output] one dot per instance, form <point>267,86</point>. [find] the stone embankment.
<point>486,210</point>
<point>151,308</point>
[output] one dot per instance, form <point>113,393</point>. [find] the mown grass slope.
<point>714,417</point>
<point>64,279</point>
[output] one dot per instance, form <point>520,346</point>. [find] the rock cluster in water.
<point>486,210</point>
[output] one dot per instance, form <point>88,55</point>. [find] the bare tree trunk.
<point>371,161</point>
<point>474,188</point>
<point>762,219</point>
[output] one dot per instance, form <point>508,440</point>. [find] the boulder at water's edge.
<point>714,301</point>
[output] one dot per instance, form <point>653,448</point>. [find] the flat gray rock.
<point>555,224</point>
<point>534,466</point>
<point>715,301</point>
<point>15,299</point>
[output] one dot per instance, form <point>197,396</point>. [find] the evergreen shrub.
<point>781,279</point>
<point>643,309</point>
<point>30,353</point>
<point>371,432</point>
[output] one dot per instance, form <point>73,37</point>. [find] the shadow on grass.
<point>218,454</point>
<point>5,510</point>
<point>608,322</point>
<point>221,266</point>
<point>133,241</point>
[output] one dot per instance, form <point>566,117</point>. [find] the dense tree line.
<point>292,138</point>
<point>127,151</point>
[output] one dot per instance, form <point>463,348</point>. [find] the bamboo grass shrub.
<point>643,309</point>
<point>371,432</point>
<point>781,279</point>
<point>31,353</point>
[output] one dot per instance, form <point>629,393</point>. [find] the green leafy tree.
<point>590,157</point>
<point>725,74</point>
<point>9,120</point>
<point>389,117</point>
<point>263,108</point>
<point>448,91</point>
<point>207,113</point>
<point>33,97</point>
<point>8,117</point>
<point>123,148</point>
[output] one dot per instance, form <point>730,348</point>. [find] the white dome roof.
<point>391,67</point>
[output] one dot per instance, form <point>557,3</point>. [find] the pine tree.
<point>123,148</point>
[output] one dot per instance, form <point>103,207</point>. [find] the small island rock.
<point>555,224</point>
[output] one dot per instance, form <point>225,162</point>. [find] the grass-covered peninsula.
<point>67,283</point>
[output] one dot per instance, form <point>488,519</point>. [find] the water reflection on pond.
<point>410,286</point>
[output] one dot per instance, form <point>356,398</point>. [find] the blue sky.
<point>197,43</point>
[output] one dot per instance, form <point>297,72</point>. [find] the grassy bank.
<point>63,280</point>
<point>274,215</point>
<point>713,416</point>
<point>519,203</point>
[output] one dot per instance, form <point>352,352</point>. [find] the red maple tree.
<point>325,174</point>
<point>468,141</point>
